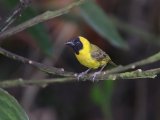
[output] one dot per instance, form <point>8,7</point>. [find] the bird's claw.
<point>94,76</point>
<point>81,75</point>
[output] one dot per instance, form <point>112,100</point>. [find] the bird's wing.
<point>97,53</point>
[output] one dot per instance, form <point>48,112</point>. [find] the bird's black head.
<point>76,44</point>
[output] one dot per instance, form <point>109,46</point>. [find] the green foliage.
<point>9,107</point>
<point>101,95</point>
<point>101,23</point>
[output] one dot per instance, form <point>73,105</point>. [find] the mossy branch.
<point>113,74</point>
<point>126,75</point>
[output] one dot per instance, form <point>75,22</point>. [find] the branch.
<point>61,72</point>
<point>38,19</point>
<point>42,67</point>
<point>14,14</point>
<point>69,76</point>
<point>127,75</point>
<point>113,74</point>
<point>149,60</point>
<point>21,82</point>
<point>131,75</point>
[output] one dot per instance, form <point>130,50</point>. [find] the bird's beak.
<point>69,43</point>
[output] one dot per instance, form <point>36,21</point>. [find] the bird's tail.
<point>112,63</point>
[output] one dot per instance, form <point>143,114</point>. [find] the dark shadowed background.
<point>136,24</point>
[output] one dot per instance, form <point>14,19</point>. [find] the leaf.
<point>101,94</point>
<point>101,23</point>
<point>97,95</point>
<point>9,108</point>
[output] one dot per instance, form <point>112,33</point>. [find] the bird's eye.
<point>78,43</point>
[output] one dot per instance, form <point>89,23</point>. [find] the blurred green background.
<point>128,30</point>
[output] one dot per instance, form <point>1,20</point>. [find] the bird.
<point>89,55</point>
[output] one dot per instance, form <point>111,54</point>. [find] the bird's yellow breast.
<point>85,58</point>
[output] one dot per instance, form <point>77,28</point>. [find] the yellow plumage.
<point>85,55</point>
<point>89,55</point>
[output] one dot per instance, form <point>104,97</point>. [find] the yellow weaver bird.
<point>89,55</point>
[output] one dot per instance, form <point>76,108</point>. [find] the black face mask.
<point>76,45</point>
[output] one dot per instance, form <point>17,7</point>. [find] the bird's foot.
<point>94,76</point>
<point>81,75</point>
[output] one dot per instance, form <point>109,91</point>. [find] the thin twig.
<point>42,67</point>
<point>51,14</point>
<point>38,19</point>
<point>61,72</point>
<point>16,12</point>
<point>69,76</point>
<point>43,83</point>
<point>127,75</point>
<point>149,60</point>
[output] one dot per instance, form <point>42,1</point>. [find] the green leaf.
<point>97,95</point>
<point>9,107</point>
<point>101,23</point>
<point>101,94</point>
